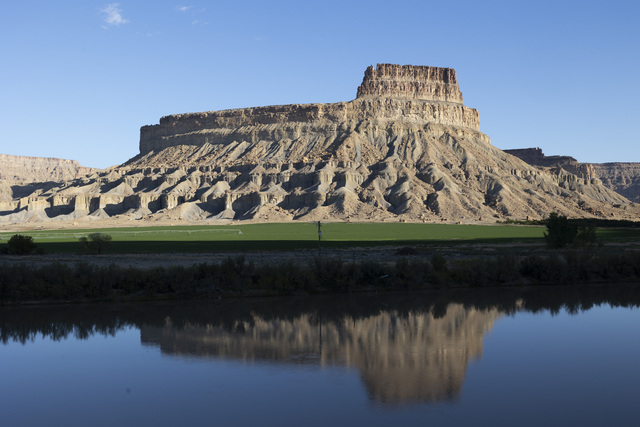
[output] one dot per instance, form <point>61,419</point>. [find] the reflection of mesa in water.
<point>402,358</point>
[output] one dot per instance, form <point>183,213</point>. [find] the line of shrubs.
<point>235,276</point>
<point>19,244</point>
<point>581,222</point>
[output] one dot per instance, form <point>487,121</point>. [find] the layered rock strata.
<point>412,82</point>
<point>406,149</point>
<point>24,169</point>
<point>623,178</point>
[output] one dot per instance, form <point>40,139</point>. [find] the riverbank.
<point>67,278</point>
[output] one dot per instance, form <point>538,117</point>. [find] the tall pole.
<point>319,238</point>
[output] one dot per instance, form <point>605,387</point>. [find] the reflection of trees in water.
<point>22,324</point>
<point>57,323</point>
<point>407,347</point>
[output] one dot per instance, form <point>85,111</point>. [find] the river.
<point>546,356</point>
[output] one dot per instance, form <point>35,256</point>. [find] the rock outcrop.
<point>389,94</point>
<point>410,82</point>
<point>623,178</point>
<point>23,169</point>
<point>406,149</point>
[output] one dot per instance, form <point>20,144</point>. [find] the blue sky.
<point>79,78</point>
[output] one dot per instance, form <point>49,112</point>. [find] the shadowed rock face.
<point>623,178</point>
<point>411,357</point>
<point>405,149</point>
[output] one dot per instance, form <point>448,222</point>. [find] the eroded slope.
<point>405,149</point>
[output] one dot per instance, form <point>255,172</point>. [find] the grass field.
<point>296,235</point>
<point>278,236</point>
<point>429,256</point>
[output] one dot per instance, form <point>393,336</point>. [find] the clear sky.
<point>80,77</point>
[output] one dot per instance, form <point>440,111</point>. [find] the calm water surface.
<point>536,357</point>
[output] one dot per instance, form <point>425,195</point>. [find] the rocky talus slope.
<point>406,149</point>
<point>623,178</point>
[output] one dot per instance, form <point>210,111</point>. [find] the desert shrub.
<point>414,273</point>
<point>585,235</point>
<point>617,267</point>
<point>57,281</point>
<point>234,273</point>
<point>285,277</point>
<point>580,266</point>
<point>506,268</point>
<point>374,274</point>
<point>335,275</point>
<point>470,272</point>
<point>552,269</point>
<point>480,272</point>
<point>96,243</point>
<point>406,250</point>
<point>21,245</point>
<point>404,273</point>
<point>439,263</point>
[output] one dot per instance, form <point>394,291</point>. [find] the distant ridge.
<point>40,169</point>
<point>621,177</point>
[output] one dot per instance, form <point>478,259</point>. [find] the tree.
<point>586,235</point>
<point>560,232</point>
<point>96,242</point>
<point>21,245</point>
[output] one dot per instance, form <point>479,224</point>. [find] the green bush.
<point>586,235</point>
<point>21,245</point>
<point>96,243</point>
<point>439,263</point>
<point>551,269</point>
<point>560,232</point>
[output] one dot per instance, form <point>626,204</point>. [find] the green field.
<point>295,235</point>
<point>279,236</point>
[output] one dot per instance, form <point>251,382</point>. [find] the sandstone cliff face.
<point>406,149</point>
<point>312,126</point>
<point>410,82</point>
<point>535,157</point>
<point>40,169</point>
<point>623,178</point>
